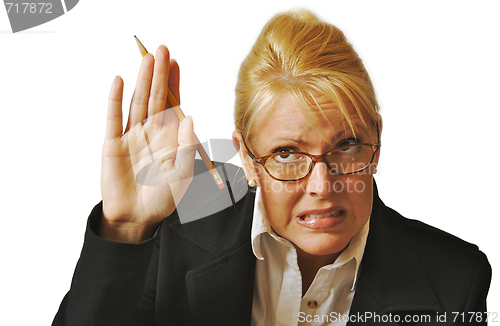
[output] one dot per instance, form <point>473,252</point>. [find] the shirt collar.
<point>260,225</point>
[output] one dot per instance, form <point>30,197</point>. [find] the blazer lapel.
<point>220,286</point>
<point>391,278</point>
<point>222,291</point>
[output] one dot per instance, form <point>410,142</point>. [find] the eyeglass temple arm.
<point>250,153</point>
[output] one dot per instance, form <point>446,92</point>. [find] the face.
<point>322,212</point>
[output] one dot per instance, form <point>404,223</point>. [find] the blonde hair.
<point>298,54</point>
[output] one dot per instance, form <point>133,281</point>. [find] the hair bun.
<point>303,15</point>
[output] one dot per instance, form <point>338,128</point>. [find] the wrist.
<point>125,232</point>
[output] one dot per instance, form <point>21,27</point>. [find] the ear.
<point>377,155</point>
<point>246,161</point>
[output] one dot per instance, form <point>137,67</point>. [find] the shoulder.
<point>435,246</point>
<point>431,245</point>
<point>453,270</point>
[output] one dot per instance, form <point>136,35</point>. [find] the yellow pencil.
<point>177,109</point>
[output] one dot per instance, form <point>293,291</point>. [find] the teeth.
<point>334,214</point>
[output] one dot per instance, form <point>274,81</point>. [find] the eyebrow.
<point>337,135</point>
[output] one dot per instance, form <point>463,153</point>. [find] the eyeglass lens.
<point>291,166</point>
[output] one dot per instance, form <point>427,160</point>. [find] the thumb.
<point>188,142</point>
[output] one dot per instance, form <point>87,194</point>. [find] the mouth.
<point>319,216</point>
<point>321,219</point>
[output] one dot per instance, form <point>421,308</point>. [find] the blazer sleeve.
<point>476,301</point>
<point>108,286</point>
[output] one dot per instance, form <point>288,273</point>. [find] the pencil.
<point>178,112</point>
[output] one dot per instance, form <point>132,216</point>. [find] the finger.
<point>114,124</point>
<point>187,147</point>
<point>173,81</point>
<point>139,105</point>
<point>159,87</point>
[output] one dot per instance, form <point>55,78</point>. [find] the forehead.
<point>284,118</point>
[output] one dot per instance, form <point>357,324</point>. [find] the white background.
<point>434,65</point>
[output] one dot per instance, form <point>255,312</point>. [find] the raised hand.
<point>147,168</point>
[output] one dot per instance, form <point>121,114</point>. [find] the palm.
<point>147,169</point>
<point>137,165</point>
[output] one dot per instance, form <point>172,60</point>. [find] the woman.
<point>311,242</point>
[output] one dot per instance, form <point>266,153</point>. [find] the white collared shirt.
<point>277,298</point>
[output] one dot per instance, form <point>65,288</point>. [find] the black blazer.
<point>202,272</point>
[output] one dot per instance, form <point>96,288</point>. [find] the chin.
<point>322,247</point>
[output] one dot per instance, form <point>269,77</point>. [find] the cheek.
<point>279,198</point>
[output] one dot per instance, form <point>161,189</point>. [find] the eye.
<point>343,146</point>
<point>286,155</point>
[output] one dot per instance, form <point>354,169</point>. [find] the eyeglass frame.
<point>315,158</point>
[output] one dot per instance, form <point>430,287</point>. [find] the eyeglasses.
<point>293,166</point>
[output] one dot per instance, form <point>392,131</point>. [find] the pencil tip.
<point>135,36</point>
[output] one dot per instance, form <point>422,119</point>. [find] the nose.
<point>320,182</point>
